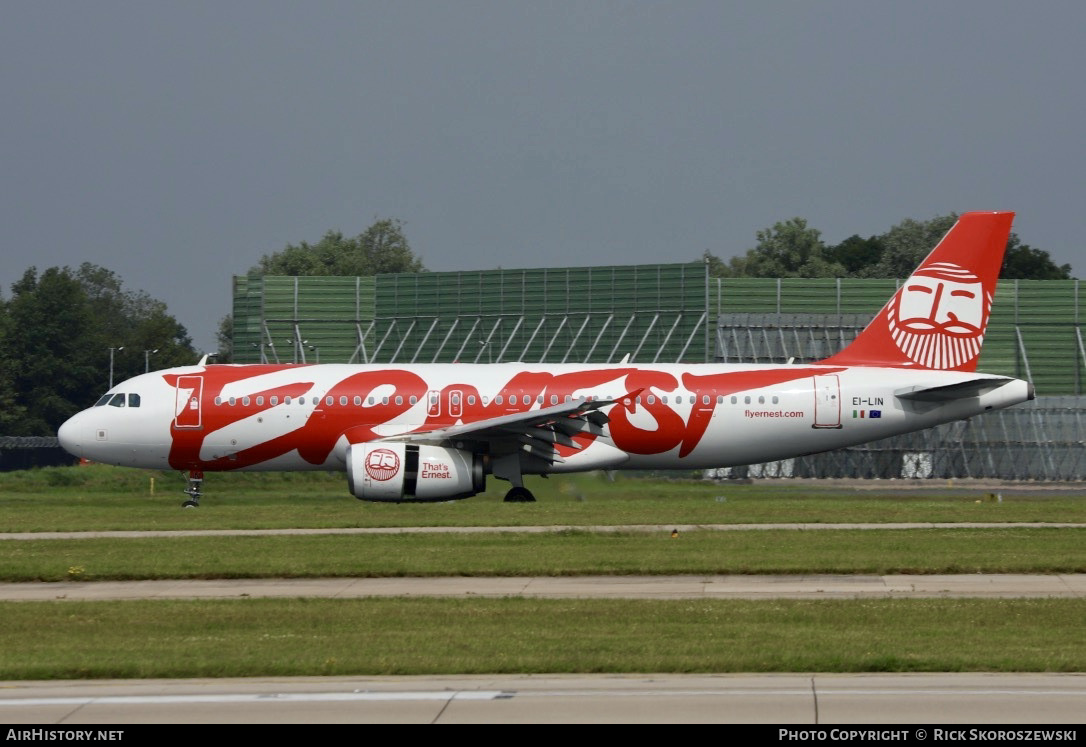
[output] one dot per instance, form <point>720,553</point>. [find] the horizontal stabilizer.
<point>948,392</point>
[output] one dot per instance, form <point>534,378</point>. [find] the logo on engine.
<point>382,464</point>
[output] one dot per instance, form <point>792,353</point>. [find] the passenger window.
<point>260,400</point>
<point>734,399</point>
<point>399,399</point>
<point>775,400</point>
<point>357,401</point>
<point>705,399</point>
<point>133,400</point>
<point>413,400</point>
<point>498,400</point>
<point>746,400</point>
<point>651,399</point>
<point>761,400</point>
<point>245,401</point>
<point>232,401</point>
<point>720,399</point>
<point>286,400</point>
<point>342,400</point>
<point>117,400</point>
<point>301,400</point>
<point>274,400</point>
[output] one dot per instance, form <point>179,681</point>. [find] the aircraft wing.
<point>537,430</point>
<point>948,392</point>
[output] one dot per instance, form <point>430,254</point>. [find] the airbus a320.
<point>437,432</point>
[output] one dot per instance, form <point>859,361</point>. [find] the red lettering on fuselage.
<point>404,392</point>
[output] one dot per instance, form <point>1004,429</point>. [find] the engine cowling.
<point>398,472</point>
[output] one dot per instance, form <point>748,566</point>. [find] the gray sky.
<point>175,143</point>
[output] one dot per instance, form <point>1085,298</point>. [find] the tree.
<point>905,245</point>
<point>57,332</point>
<point>787,250</point>
<point>855,254</point>
<point>790,249</point>
<point>225,338</point>
<point>381,248</point>
<point>12,410</point>
<point>49,324</point>
<point>1023,262</point>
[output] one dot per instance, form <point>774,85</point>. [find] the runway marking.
<point>258,698</point>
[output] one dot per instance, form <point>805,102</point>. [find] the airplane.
<point>435,432</point>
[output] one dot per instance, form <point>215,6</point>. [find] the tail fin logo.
<point>939,317</point>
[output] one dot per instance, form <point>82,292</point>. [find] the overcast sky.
<point>175,143</point>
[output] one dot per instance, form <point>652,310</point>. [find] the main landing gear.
<point>196,480</point>
<point>519,494</point>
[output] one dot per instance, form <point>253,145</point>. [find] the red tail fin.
<point>938,317</point>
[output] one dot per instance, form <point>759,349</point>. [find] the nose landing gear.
<point>195,481</point>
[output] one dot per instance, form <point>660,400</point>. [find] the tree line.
<point>63,329</point>
<point>792,249</point>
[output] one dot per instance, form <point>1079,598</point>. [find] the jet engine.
<point>400,472</point>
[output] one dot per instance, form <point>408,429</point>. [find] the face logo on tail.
<point>938,318</point>
<point>382,464</point>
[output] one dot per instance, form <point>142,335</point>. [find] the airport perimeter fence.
<point>1041,440</point>
<point>26,452</point>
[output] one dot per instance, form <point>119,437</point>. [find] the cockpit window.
<point>117,400</point>
<point>133,400</point>
<point>103,400</point>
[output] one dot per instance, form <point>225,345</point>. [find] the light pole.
<point>147,359</point>
<point>316,350</point>
<point>111,351</point>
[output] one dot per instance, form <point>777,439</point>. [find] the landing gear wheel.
<point>196,480</point>
<point>519,495</point>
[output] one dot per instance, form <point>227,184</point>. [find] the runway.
<point>797,699</point>
<point>567,587</point>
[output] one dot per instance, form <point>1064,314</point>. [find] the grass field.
<point>111,498</point>
<point>48,640</point>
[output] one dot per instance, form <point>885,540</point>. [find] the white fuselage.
<point>290,417</point>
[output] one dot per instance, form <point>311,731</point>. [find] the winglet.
<point>937,318</point>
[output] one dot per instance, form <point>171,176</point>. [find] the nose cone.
<point>70,435</point>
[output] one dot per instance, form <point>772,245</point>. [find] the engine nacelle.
<point>398,472</point>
